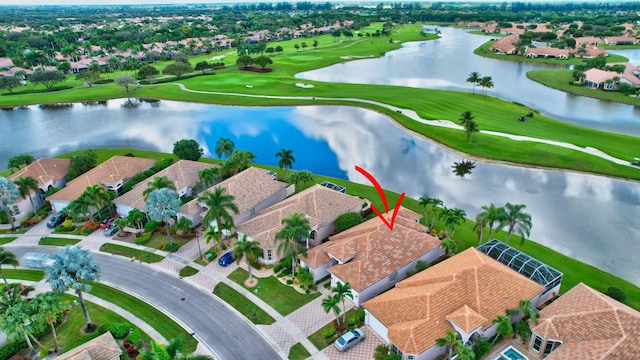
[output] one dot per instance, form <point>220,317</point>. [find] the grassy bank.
<point>247,308</point>
<point>58,241</point>
<point>134,254</point>
<point>560,79</point>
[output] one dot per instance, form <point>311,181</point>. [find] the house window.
<point>551,345</point>
<point>16,210</point>
<point>395,350</point>
<point>410,357</point>
<point>312,235</point>
<point>536,343</point>
<point>269,255</point>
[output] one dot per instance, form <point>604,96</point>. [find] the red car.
<point>106,222</point>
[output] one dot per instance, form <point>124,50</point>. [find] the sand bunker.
<point>249,86</point>
<point>347,57</point>
<point>304,86</point>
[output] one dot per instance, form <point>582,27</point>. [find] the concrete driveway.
<point>364,350</point>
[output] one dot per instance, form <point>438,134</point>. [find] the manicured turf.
<point>188,271</point>
<point>140,255</point>
<point>147,313</point>
<point>6,240</point>
<point>22,274</point>
<point>298,352</point>
<point>58,241</point>
<point>252,312</point>
<point>158,241</point>
<point>284,299</point>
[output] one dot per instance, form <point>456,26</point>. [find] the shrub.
<point>289,281</point>
<point>328,332</point>
<point>223,247</point>
<point>353,320</point>
<point>210,255</point>
<point>277,268</point>
<point>67,225</point>
<point>103,81</point>
<point>616,293</point>
<point>92,225</point>
<point>171,247</point>
<point>285,271</point>
<point>481,346</point>
<point>307,291</point>
<point>134,336</point>
<point>143,239</point>
<point>162,164</point>
<point>327,286</point>
<point>348,220</point>
<point>118,330</point>
<point>151,226</point>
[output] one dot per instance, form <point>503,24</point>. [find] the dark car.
<point>56,220</point>
<point>349,339</point>
<point>226,259</point>
<point>106,222</point>
<point>111,230</point>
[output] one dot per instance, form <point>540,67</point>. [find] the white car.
<point>37,260</point>
<point>349,339</point>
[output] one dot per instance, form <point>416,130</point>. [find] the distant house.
<point>103,347</point>
<point>253,189</point>
<point>547,53</point>
<point>112,174</point>
<point>184,174</point>
<point>319,204</point>
<point>505,45</point>
<point>587,325</point>
<point>371,257</point>
<point>589,40</point>
<point>6,63</point>
<point>620,40</point>
<point>49,173</point>
<point>588,52</point>
<point>461,294</point>
<point>601,79</point>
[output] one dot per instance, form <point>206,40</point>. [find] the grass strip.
<point>247,308</point>
<point>6,240</point>
<point>23,274</point>
<point>9,231</point>
<point>188,271</point>
<point>147,313</point>
<point>58,241</point>
<point>140,255</point>
<point>284,299</point>
<point>298,352</point>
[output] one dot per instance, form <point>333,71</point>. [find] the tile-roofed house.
<point>620,40</point>
<point>547,52</point>
<point>103,347</point>
<point>319,204</point>
<point>371,257</point>
<point>253,189</point>
<point>112,174</point>
<point>596,78</point>
<point>590,40</point>
<point>461,294</point>
<point>49,173</point>
<point>183,174</point>
<point>6,63</point>
<point>505,45</point>
<point>587,325</point>
<point>588,52</point>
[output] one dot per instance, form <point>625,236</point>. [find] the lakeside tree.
<point>163,205</point>
<point>81,163</point>
<point>9,83</point>
<point>148,72</point>
<point>18,161</point>
<point>125,80</point>
<point>487,83</point>
<point>303,176</point>
<point>286,160</point>
<point>432,204</point>
<point>209,176</point>
<point>177,69</point>
<point>188,149</point>
<point>470,128</point>
<point>9,194</point>
<point>225,147</point>
<point>493,217</point>
<point>89,77</point>
<point>263,61</point>
<point>516,219</point>
<point>238,161</point>
<point>74,268</point>
<point>47,78</point>
<point>474,78</point>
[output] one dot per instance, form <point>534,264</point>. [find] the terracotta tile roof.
<point>416,311</point>
<point>505,44</point>
<point>319,204</point>
<point>115,169</point>
<point>44,170</point>
<point>547,51</point>
<point>372,251</point>
<point>104,347</point>
<point>184,173</point>
<point>467,318</point>
<point>590,325</point>
<point>598,76</point>
<point>249,188</point>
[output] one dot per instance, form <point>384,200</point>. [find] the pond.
<point>591,218</point>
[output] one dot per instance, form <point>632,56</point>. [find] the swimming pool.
<point>510,353</point>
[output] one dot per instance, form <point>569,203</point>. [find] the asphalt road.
<point>219,328</point>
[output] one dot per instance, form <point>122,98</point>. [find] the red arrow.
<point>383,197</point>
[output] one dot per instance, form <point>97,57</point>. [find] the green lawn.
<point>17,231</point>
<point>298,352</point>
<point>58,241</point>
<point>560,79</point>
<point>250,310</point>
<point>23,274</point>
<point>284,299</point>
<point>76,231</point>
<point>6,240</point>
<point>158,241</point>
<point>147,313</point>
<point>141,255</point>
<point>188,271</point>
<point>320,341</point>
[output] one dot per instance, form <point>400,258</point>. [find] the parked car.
<point>56,220</point>
<point>111,230</point>
<point>226,259</point>
<point>635,161</point>
<point>37,260</point>
<point>106,222</point>
<point>349,339</point>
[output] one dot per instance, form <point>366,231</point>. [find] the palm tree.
<point>249,250</point>
<point>517,220</point>
<point>18,321</point>
<point>504,329</point>
<point>224,147</point>
<point>526,310</point>
<point>343,291</point>
<point>79,207</point>
<point>470,128</point>
<point>286,160</point>
<point>158,182</point>
<point>331,303</point>
<point>452,218</point>
<point>425,202</point>
<point>209,176</point>
<point>474,78</point>
<point>220,206</point>
<point>74,268</point>
<point>173,351</point>
<point>212,234</point>
<point>49,306</point>
<point>25,185</point>
<point>7,258</point>
<point>486,82</point>
<point>296,229</point>
<point>492,215</point>
<point>466,117</point>
<point>465,352</point>
<point>449,245</point>
<point>450,341</point>
<point>100,197</point>
<point>433,203</point>
<point>479,226</point>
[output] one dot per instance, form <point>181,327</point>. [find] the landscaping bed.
<point>326,335</point>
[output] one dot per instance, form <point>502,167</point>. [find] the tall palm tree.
<point>450,341</point>
<point>224,147</point>
<point>474,78</point>
<point>465,352</point>
<point>212,234</point>
<point>517,220</point>
<point>425,202</point>
<point>286,160</point>
<point>296,229</point>
<point>7,258</point>
<point>479,226</point>
<point>74,268</point>
<point>486,82</point>
<point>220,205</point>
<point>469,129</point>
<point>330,303</point>
<point>452,218</point>
<point>504,329</point>
<point>158,182</point>
<point>25,185</point>
<point>433,203</point>
<point>100,196</point>
<point>466,117</point>
<point>173,351</point>
<point>18,321</point>
<point>163,205</point>
<point>449,245</point>
<point>49,306</point>
<point>492,216</point>
<point>249,250</point>
<point>343,291</point>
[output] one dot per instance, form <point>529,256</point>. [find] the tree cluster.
<point>81,163</point>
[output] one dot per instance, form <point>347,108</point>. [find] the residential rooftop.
<point>44,170</point>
